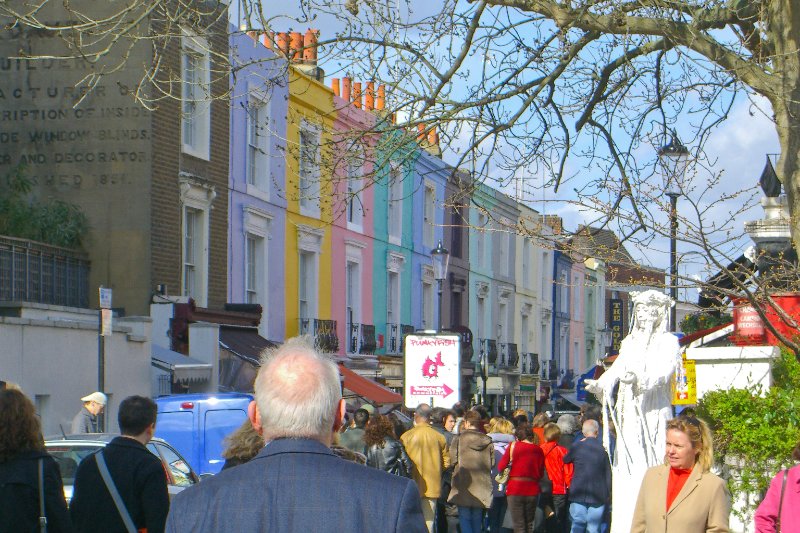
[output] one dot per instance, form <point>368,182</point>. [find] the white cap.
<point>97,397</point>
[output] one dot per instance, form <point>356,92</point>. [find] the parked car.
<point>70,450</point>
<point>197,424</point>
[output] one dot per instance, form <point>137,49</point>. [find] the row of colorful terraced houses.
<point>273,187</point>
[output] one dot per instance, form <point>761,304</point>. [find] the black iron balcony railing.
<point>512,355</point>
<point>323,332</point>
<point>369,341</point>
<point>489,350</point>
<point>36,272</point>
<point>397,333</point>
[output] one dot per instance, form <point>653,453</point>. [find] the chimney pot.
<point>369,97</point>
<point>282,42</point>
<point>421,132</point>
<point>357,94</point>
<point>335,86</point>
<point>380,102</point>
<point>267,38</point>
<point>296,46</point>
<point>346,88</point>
<point>310,46</point>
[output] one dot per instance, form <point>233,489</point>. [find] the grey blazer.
<point>298,485</point>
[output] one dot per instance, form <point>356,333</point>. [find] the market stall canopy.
<point>368,389</point>
<point>184,369</point>
<point>240,357</point>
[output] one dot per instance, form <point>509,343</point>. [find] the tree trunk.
<point>783,28</point>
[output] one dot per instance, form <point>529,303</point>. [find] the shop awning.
<point>184,369</point>
<point>368,389</point>
<point>244,342</point>
<point>240,357</point>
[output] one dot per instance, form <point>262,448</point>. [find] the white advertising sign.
<point>432,370</point>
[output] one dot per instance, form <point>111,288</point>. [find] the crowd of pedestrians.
<point>454,470</point>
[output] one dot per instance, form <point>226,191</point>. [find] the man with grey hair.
<point>296,483</point>
<point>427,449</point>
<point>590,490</point>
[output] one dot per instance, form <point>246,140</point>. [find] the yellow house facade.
<point>309,193</point>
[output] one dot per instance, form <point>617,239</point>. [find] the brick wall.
<point>169,163</point>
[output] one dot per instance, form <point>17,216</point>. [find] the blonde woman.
<point>682,495</point>
<point>501,431</point>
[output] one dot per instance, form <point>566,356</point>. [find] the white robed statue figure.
<point>648,358</point>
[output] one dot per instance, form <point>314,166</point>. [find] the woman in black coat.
<point>21,452</point>
<point>384,451</point>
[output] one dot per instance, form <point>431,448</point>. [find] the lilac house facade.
<point>257,208</point>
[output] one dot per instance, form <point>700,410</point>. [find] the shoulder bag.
<point>545,483</point>
<point>112,489</point>
<point>780,502</point>
<point>502,477</point>
<point>42,516</point>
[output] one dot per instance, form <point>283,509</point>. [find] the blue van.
<point>197,424</point>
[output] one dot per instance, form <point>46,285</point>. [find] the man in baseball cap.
<point>86,420</point>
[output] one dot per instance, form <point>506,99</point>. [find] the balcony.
<point>361,339</point>
<point>509,356</point>
<point>530,364</point>
<point>40,273</point>
<point>488,350</point>
<point>396,334</point>
<point>549,370</point>
<point>323,333</point>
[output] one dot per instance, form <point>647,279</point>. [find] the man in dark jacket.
<point>590,490</point>
<point>353,438</point>
<point>86,421</point>
<point>137,474</point>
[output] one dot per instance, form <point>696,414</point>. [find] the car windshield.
<point>69,457</point>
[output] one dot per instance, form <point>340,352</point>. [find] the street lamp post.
<point>674,158</point>
<point>441,260</point>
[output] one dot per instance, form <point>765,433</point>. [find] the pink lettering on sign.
<point>433,342</point>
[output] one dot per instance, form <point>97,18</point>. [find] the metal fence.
<point>35,272</point>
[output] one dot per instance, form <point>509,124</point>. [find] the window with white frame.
<point>309,244</point>
<point>428,320</point>
<point>258,136</point>
<point>527,263</point>
<point>196,200</point>
<point>546,286</point>
<point>502,332</point>
<point>352,300</point>
<point>355,206</point>
<point>480,240</point>
<point>429,208</point>
<point>481,318</point>
<point>256,275</point>
<point>307,286</point>
<point>576,297</point>
<point>525,331</point>
<point>309,171</point>
<point>564,287</point>
<point>195,96</point>
<point>427,306</point>
<point>395,205</point>
<point>393,298</point>
<point>254,266</point>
